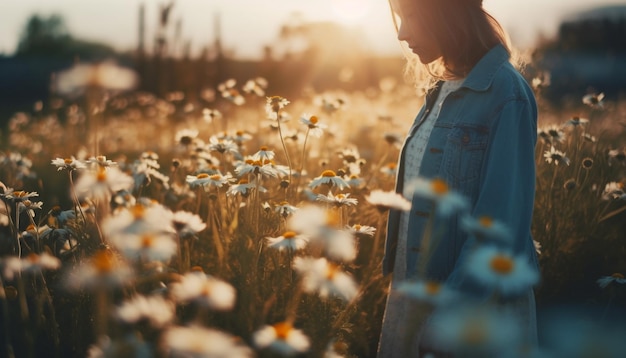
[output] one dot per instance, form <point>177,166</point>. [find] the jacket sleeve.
<point>507,188</point>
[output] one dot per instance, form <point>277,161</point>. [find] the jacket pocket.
<point>463,156</point>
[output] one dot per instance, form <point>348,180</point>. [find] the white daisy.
<point>485,227</point>
<point>617,277</point>
<point>288,240</point>
<point>102,182</point>
<point>435,293</point>
<point>325,278</point>
<point>315,128</point>
<point>154,309</point>
<point>385,200</point>
<point>556,156</point>
<point>198,342</point>
<point>205,290</point>
<point>187,224</point>
<point>447,201</point>
<point>282,338</point>
<point>338,200</point>
<point>329,178</point>
<point>68,164</point>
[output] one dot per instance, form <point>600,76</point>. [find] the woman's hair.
<point>463,30</point>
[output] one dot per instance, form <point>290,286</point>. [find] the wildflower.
<point>361,231</point>
<point>105,75</point>
<point>500,270</point>
<point>594,100</point>
<point>576,121</point>
<point>616,155</point>
<point>256,86</point>
<point>338,245</point>
<point>617,277</point>
<point>349,155</point>
<point>243,188</point>
<point>613,190</point>
<point>154,309</point>
<point>149,245</point>
<point>587,163</point>
<point>329,178</point>
<point>205,180</point>
<point>437,190</point>
<point>251,166</point>
<point>140,219</point>
<point>476,331</point>
<point>229,92</point>
<point>100,161</point>
<point>354,181</point>
<point>485,227</point>
<point>393,139</point>
<point>324,278</point>
<point>275,104</point>
<point>537,245</point>
<point>18,195</point>
<point>385,200</point>
<point>185,137</point>
<point>210,115</point>
<point>432,292</point>
<point>335,349</point>
<point>570,184</point>
<point>556,134</point>
<point>205,290</point>
<point>282,338</point>
<point>555,155</point>
<point>102,183</point>
<point>315,128</point>
<point>389,169</point>
<point>68,164</point>
<point>203,342</point>
<point>187,224</point>
<point>264,154</point>
<point>241,136</point>
<point>103,269</point>
<point>329,104</point>
<point>289,240</point>
<point>223,146</point>
<point>589,138</point>
<point>31,263</point>
<point>338,200</point>
<point>29,207</point>
<point>285,209</point>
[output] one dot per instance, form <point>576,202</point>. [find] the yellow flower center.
<point>357,227</point>
<point>263,148</point>
<point>340,196</point>
<point>313,119</point>
<point>289,235</point>
<point>102,175</point>
<point>138,211</point>
<point>328,173</point>
<point>502,264</point>
<point>439,186</point>
<point>243,181</point>
<point>617,275</point>
<point>282,330</point>
<point>101,158</point>
<point>239,133</point>
<point>202,176</point>
<point>27,203</point>
<point>19,194</point>
<point>485,221</point>
<point>68,160</point>
<point>331,270</point>
<point>103,261</point>
<point>33,257</point>
<point>391,165</point>
<point>216,177</point>
<point>432,288</point>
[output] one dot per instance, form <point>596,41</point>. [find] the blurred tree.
<point>49,37</point>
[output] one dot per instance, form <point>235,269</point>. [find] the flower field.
<point>245,224</point>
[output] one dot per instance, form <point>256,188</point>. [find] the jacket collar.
<point>481,76</point>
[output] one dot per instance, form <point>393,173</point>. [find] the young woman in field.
<point>475,135</point>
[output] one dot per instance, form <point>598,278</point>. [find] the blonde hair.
<point>465,33</point>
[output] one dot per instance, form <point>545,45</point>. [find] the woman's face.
<point>415,32</point>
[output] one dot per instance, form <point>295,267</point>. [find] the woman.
<point>476,132</point>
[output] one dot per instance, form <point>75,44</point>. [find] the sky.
<point>248,25</point>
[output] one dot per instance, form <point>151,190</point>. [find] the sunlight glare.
<point>350,12</point>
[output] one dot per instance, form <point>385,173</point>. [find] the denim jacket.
<point>482,146</point>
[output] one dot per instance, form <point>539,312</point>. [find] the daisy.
<point>264,154</point>
<point>594,100</point>
<point>205,290</point>
<point>500,270</point>
<point>311,220</point>
<point>241,137</point>
<point>187,224</point>
<point>315,128</point>
<point>101,183</point>
<point>104,269</point>
<point>275,104</point>
<point>31,263</point>
<point>149,246</point>
<point>142,218</point>
<point>616,155</point>
<point>393,139</point>
<point>476,331</point>
<point>243,188</point>
<point>349,155</point>
<point>18,195</point>
<point>447,201</point>
<point>385,200</point>
<point>361,231</point>
<point>617,277</point>
<point>288,240</point>
<point>101,161</point>
<point>210,115</point>
<point>485,227</point>
<point>389,169</point>
<point>285,209</point>
<point>282,338</point>
<point>185,137</point>
<point>223,146</point>
<point>555,155</point>
<point>576,121</point>
<point>339,200</point>
<point>338,245</point>
<point>154,309</point>
<point>68,164</point>
<point>587,163</point>
<point>613,190</point>
<point>29,207</point>
<point>229,92</point>
<point>329,178</point>
<point>354,181</point>
<point>256,86</point>
<point>434,293</point>
<point>537,245</point>
<point>588,138</point>
<point>206,180</point>
<point>251,166</point>
<point>325,278</point>
<point>203,342</point>
<point>556,134</point>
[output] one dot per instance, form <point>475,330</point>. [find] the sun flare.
<point>350,12</point>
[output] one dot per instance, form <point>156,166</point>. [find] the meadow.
<point>245,223</point>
